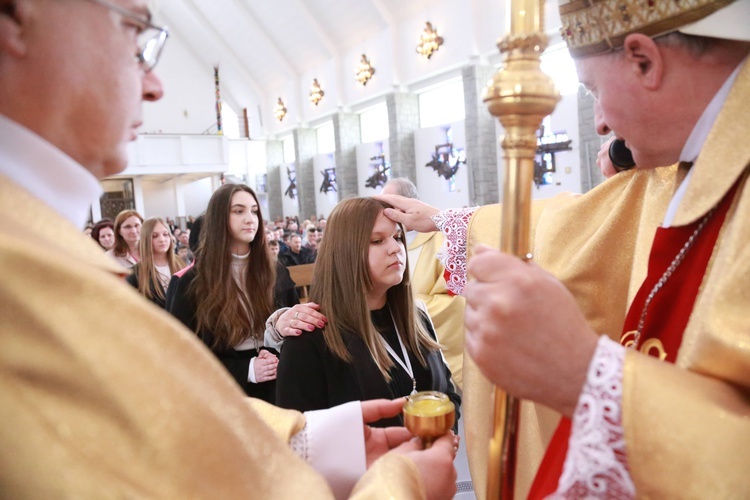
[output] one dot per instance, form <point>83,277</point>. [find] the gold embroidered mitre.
<point>596,26</point>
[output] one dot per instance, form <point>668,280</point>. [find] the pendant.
<point>413,386</point>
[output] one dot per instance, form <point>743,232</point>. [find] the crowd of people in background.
<point>210,282</point>
<point>291,242</point>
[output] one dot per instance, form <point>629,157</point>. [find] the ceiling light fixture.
<point>279,111</point>
<point>316,93</point>
<point>364,70</point>
<point>429,41</point>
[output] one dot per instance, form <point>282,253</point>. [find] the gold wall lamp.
<point>429,41</point>
<point>364,70</point>
<point>279,111</point>
<point>316,93</point>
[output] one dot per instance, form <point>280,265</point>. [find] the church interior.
<point>311,101</point>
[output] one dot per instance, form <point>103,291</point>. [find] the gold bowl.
<point>429,415</point>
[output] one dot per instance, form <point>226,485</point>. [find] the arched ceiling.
<point>263,45</point>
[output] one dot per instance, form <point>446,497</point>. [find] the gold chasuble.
<point>687,426</point>
<point>103,395</point>
<point>446,311</point>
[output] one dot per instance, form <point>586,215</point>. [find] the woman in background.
<point>233,287</point>
<point>127,238</point>
<point>378,343</point>
<point>158,262</point>
<point>104,234</point>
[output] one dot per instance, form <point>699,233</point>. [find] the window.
<point>373,124</point>
<point>442,105</point>
<point>558,64</point>
<point>326,138</point>
<point>289,154</point>
<point>230,122</point>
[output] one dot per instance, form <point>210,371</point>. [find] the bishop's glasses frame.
<point>151,38</point>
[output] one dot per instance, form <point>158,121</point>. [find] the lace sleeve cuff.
<point>454,224</point>
<point>596,463</point>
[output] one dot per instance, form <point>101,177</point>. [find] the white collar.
<point>46,172</point>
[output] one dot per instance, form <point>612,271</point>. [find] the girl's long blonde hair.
<point>342,281</point>
<point>148,279</point>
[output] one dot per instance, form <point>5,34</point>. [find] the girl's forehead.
<point>383,223</point>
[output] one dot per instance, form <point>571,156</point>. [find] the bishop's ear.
<point>7,8</point>
<point>645,58</point>
<point>10,27</point>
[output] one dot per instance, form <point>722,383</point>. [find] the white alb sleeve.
<point>333,443</point>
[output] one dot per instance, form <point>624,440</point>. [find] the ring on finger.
<point>296,315</point>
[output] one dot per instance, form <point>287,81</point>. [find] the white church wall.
<point>379,51</point>
<point>158,198</point>
<point>453,21</point>
<point>197,194</point>
<point>188,104</point>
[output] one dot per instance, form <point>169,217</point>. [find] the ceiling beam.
<point>333,51</point>
<point>191,43</point>
<point>384,13</point>
<point>312,21</point>
<point>255,26</point>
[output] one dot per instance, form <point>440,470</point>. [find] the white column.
<point>140,206</point>
<point>178,185</point>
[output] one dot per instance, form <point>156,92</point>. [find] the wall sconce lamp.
<point>279,111</point>
<point>316,93</point>
<point>429,41</point>
<point>364,70</point>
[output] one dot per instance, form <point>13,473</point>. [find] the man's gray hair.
<point>404,187</point>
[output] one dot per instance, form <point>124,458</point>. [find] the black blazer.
<point>289,258</point>
<point>132,279</point>
<point>311,377</point>
<point>182,305</point>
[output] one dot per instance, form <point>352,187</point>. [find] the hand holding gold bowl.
<point>429,415</point>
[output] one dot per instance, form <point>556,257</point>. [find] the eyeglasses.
<point>150,38</point>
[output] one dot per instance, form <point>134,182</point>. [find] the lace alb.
<point>299,444</point>
<point>596,464</point>
<point>454,224</point>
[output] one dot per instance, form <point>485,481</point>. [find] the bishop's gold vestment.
<point>103,395</point>
<point>446,311</point>
<point>687,425</point>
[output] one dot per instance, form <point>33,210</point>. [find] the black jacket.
<point>311,377</point>
<point>132,279</point>
<point>289,258</point>
<point>182,305</point>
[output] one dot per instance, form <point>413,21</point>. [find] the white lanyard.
<point>406,363</point>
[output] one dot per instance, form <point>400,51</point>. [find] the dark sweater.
<point>132,279</point>
<point>182,305</point>
<point>311,377</point>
